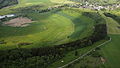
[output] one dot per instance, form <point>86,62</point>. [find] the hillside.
<point>53,33</point>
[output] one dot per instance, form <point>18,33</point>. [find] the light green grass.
<point>51,28</point>
<point>112,26</point>
<point>111,52</point>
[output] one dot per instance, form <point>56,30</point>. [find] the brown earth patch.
<point>18,22</point>
<point>102,60</point>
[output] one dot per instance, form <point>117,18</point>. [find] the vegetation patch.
<point>119,27</point>
<point>5,3</point>
<point>2,42</point>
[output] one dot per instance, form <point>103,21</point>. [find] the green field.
<point>58,26</point>
<point>50,28</point>
<point>111,52</point>
<point>55,27</point>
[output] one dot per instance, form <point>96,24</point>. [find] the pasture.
<point>111,52</point>
<point>50,28</point>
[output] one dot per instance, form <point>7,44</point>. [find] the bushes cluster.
<point>2,42</point>
<point>24,58</point>
<point>5,3</point>
<point>36,8</point>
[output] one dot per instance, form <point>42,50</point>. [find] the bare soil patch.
<point>18,22</point>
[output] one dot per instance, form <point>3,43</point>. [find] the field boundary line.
<point>85,54</point>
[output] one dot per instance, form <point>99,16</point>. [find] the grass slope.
<point>111,52</point>
<point>112,25</point>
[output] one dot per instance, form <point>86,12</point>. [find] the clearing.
<point>18,22</point>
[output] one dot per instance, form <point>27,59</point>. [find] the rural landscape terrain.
<point>59,33</point>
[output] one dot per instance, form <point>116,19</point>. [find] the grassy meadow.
<point>50,28</point>
<point>111,52</point>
